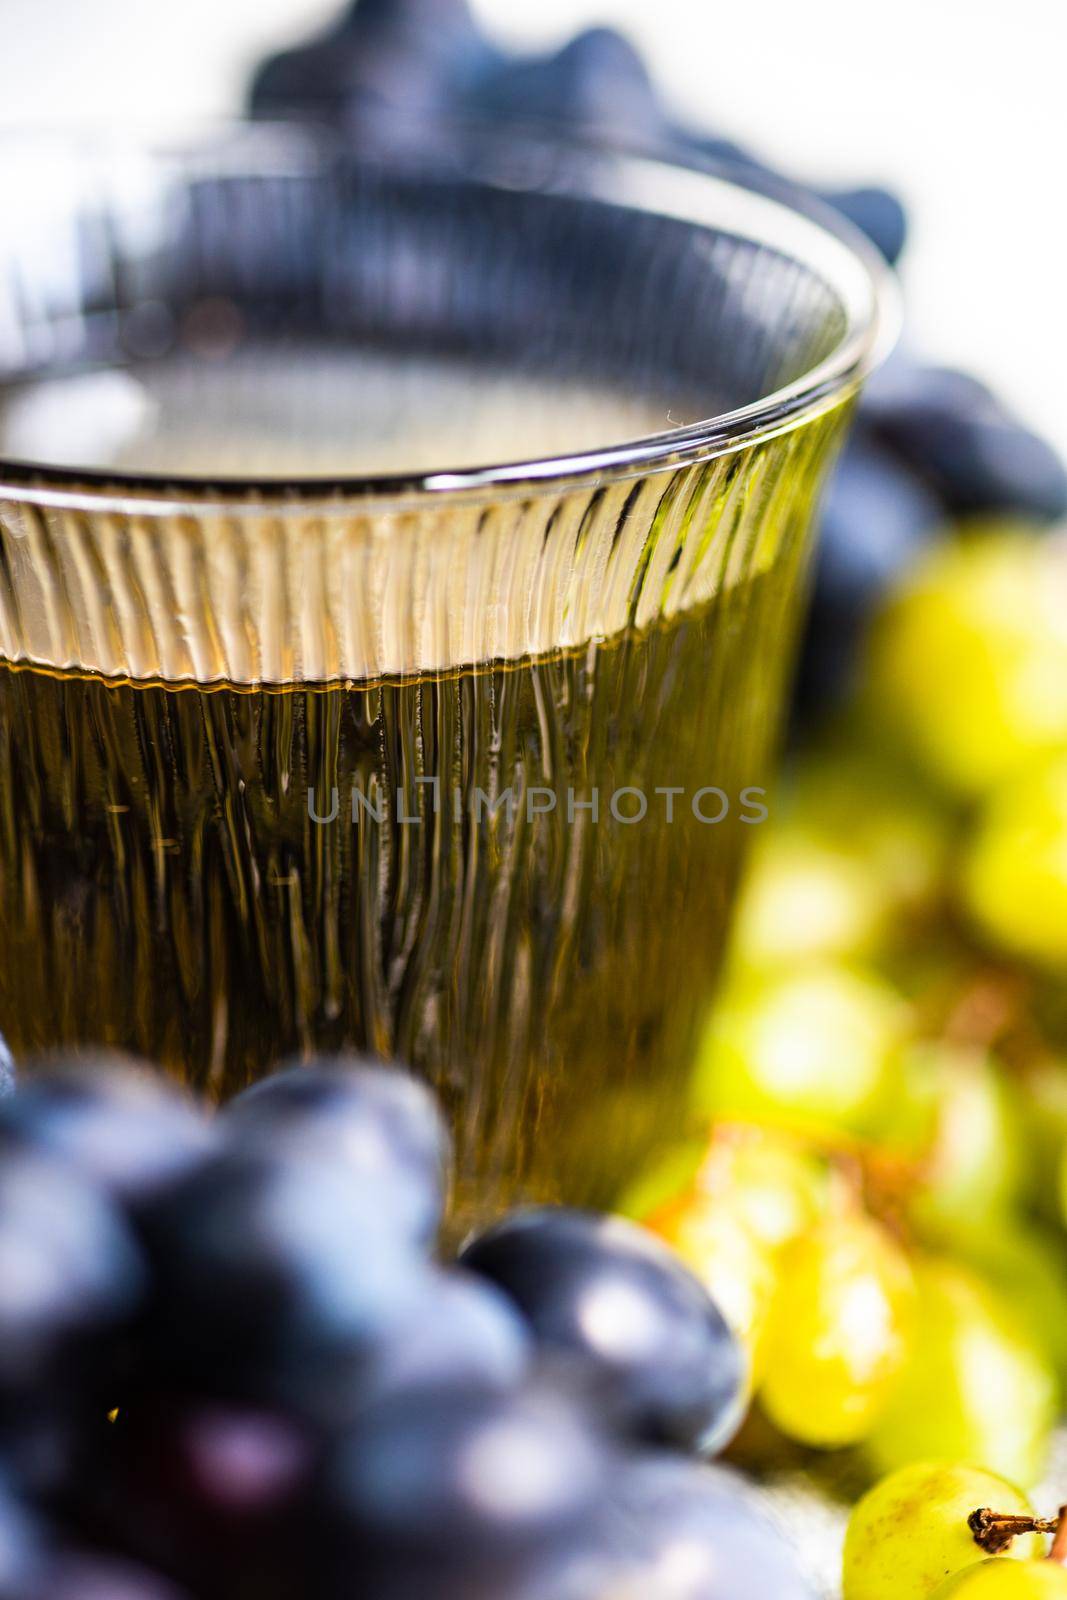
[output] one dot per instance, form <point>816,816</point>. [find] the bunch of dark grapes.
<point>232,1364</point>
<point>929,444</point>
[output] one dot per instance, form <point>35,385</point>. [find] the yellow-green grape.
<point>1013,880</point>
<point>1043,1115</point>
<point>1001,1579</point>
<point>910,1531</point>
<point>738,1268</point>
<point>755,1191</point>
<point>776,1184</point>
<point>770,1179</point>
<point>804,899</point>
<point>856,847</point>
<point>1025,1264</point>
<point>973,1163</point>
<point>853,796</point>
<point>813,1051</point>
<point>974,1387</point>
<point>969,660</point>
<point>839,1331</point>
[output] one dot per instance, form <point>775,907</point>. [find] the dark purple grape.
<point>118,1121</point>
<point>955,435</point>
<point>83,1576</point>
<point>213,1494</point>
<point>607,1294</point>
<point>48,1433</point>
<point>684,1531</point>
<point>460,1331</point>
<point>876,212</point>
<point>264,1262</point>
<point>70,1274</point>
<point>7,1070</point>
<point>459,1492</point>
<point>379,1121</point>
<point>381,56</point>
<point>877,517</point>
<point>597,82</point>
<point>20,1545</point>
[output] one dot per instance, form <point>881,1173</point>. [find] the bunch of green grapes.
<point>968,678</point>
<point>862,1330</point>
<point>879,1196</point>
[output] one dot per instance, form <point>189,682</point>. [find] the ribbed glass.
<point>454,763</point>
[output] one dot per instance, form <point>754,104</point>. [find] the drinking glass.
<point>401,554</point>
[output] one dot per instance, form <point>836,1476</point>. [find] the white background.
<point>958,103</point>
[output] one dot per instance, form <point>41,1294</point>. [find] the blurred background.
<point>956,104</point>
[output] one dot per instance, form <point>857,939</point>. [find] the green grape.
<point>975,1387</point>
<point>838,1333</point>
<point>1013,880</point>
<point>813,1050</point>
<point>773,1182</point>
<point>853,797</point>
<point>856,848</point>
<point>968,663</point>
<point>973,1163</point>
<point>1000,1579</point>
<point>1025,1264</point>
<point>754,1192</point>
<point>770,1179</point>
<point>803,899</point>
<point>1043,1114</point>
<point>910,1531</point>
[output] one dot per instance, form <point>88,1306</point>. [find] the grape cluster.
<point>233,1363</point>
<point>880,1199</point>
<point>929,444</point>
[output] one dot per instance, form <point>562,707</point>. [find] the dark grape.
<point>877,516</point>
<point>460,1492</point>
<point>696,1533</point>
<point>74,1575</point>
<point>954,433</point>
<point>7,1070</point>
<point>70,1272</point>
<point>48,1433</point>
<point>118,1121</point>
<point>214,1494</point>
<point>459,1331</point>
<point>411,56</point>
<point>264,1262</point>
<point>379,1121</point>
<point>876,212</point>
<point>597,81</point>
<point>20,1545</point>
<point>607,1294</point>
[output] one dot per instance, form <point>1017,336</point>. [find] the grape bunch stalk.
<point>234,1360</point>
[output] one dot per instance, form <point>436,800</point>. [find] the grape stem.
<point>994,1530</point>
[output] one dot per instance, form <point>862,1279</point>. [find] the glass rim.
<point>711,193</point>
